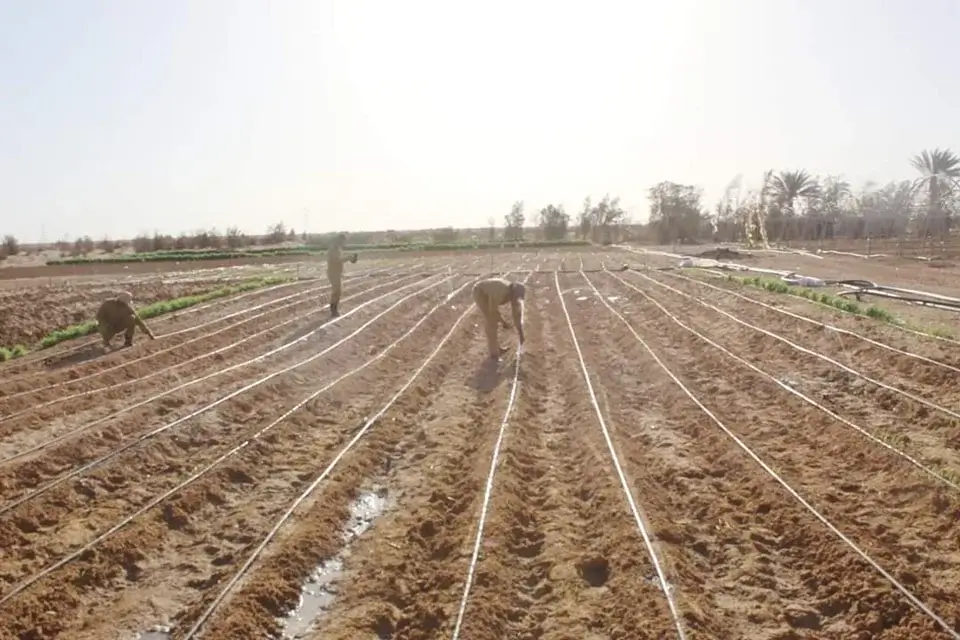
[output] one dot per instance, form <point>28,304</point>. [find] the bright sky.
<point>118,117</point>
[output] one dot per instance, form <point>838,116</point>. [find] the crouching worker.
<point>117,315</point>
<point>489,295</point>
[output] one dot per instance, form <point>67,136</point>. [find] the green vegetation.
<point>837,302</point>
<point>153,310</point>
<point>307,250</point>
<point>184,256</point>
<point>9,353</point>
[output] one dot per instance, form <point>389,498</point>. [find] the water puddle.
<point>319,592</point>
<point>157,632</point>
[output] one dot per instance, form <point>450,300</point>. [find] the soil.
<point>101,538</point>
<point>27,315</point>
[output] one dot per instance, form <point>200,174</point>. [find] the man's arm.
<point>143,325</point>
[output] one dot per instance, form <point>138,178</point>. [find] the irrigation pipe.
<point>818,323</point>
<point>220,460</point>
<point>893,293</point>
<point>922,334</point>
<point>158,430</point>
<point>127,363</point>
<point>318,480</point>
<point>44,353</point>
<point>809,352</point>
<point>488,489</point>
<point>81,344</point>
<point>354,278</point>
<point>664,585</point>
<point>861,287</point>
<point>89,425</point>
<point>807,399</point>
<point>164,370</point>
<point>783,483</point>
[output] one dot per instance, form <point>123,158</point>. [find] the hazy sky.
<point>128,116</point>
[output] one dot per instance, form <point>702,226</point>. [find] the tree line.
<point>788,205</point>
<point>795,205</point>
<point>604,222</point>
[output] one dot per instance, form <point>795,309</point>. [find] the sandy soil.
<point>152,486</point>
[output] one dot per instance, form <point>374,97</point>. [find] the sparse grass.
<point>837,302</point>
<point>153,310</point>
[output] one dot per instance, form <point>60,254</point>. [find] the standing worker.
<point>117,315</point>
<point>489,295</point>
<point>335,263</point>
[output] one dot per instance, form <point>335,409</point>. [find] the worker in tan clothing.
<point>489,295</point>
<point>335,262</point>
<point>117,315</point>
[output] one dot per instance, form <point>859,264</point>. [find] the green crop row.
<point>153,310</point>
<point>837,302</point>
<point>306,250</point>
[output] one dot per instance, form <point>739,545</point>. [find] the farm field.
<point>938,276</point>
<point>669,456</point>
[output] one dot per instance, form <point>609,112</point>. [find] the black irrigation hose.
<point>884,292</point>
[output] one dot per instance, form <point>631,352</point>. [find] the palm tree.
<point>835,193</point>
<point>940,171</point>
<point>787,187</point>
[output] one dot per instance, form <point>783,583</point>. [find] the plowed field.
<point>662,459</point>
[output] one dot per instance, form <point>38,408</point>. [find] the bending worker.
<point>489,295</point>
<point>335,262</point>
<point>117,315</point>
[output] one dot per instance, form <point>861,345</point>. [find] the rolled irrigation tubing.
<point>807,399</point>
<point>825,325</point>
<point>319,479</point>
<point>89,425</point>
<point>170,425</point>
<point>783,483</point>
<point>664,585</point>
<point>161,371</point>
<point>488,489</point>
<point>243,444</point>
<point>204,336</point>
<point>809,352</point>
